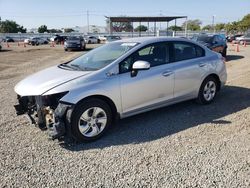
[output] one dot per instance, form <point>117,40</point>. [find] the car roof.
<point>145,40</point>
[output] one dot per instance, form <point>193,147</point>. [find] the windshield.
<point>205,39</point>
<point>101,56</point>
<point>74,38</point>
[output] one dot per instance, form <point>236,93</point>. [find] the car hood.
<point>45,80</point>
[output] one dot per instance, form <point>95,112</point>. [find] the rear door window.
<point>185,50</point>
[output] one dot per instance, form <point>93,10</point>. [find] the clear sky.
<point>70,13</point>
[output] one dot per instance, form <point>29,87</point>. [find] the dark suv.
<point>214,42</point>
<point>74,43</point>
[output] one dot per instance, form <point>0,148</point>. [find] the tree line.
<point>9,26</point>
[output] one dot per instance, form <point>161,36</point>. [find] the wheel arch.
<point>106,99</point>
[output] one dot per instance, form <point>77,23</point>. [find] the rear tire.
<point>224,52</point>
<point>90,120</point>
<point>208,90</point>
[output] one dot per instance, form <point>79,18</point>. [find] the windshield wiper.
<point>76,66</point>
<point>67,65</point>
<point>83,68</point>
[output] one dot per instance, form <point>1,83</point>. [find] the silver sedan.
<point>83,97</point>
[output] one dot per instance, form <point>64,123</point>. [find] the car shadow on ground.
<point>166,121</point>
<point>233,57</point>
<point>79,50</point>
<point>4,50</point>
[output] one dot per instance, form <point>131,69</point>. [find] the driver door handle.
<point>167,73</point>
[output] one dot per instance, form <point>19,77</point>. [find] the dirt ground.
<point>184,145</point>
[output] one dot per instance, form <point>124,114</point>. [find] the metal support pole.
<point>167,28</point>
<point>110,26</point>
<point>213,23</point>
<point>186,24</point>
<point>132,29</point>
<point>174,33</point>
<point>88,20</point>
<point>140,29</point>
<point>155,29</point>
<point>148,28</point>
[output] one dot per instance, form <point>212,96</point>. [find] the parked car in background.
<point>27,41</point>
<point>58,39</point>
<point>74,43</point>
<point>91,40</point>
<point>36,41</point>
<point>8,39</point>
<point>112,38</point>
<point>0,47</point>
<point>102,38</point>
<point>244,38</point>
<point>83,97</point>
<point>231,38</point>
<point>213,42</point>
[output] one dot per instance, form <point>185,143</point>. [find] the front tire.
<point>208,90</point>
<point>90,120</point>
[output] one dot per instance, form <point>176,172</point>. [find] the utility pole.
<point>88,20</point>
<point>160,22</point>
<point>213,23</point>
<point>186,26</point>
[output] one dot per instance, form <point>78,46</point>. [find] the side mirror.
<point>139,65</point>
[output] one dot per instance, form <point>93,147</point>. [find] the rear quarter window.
<point>200,52</point>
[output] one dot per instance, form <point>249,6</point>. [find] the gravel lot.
<point>184,145</point>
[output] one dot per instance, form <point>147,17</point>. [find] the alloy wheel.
<point>209,91</point>
<point>92,121</point>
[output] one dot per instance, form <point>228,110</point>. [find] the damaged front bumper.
<point>47,112</point>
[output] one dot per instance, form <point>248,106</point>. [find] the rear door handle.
<point>167,73</point>
<point>202,64</point>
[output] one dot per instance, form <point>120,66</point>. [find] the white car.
<point>27,41</point>
<point>243,39</point>
<point>102,38</point>
<point>91,40</point>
